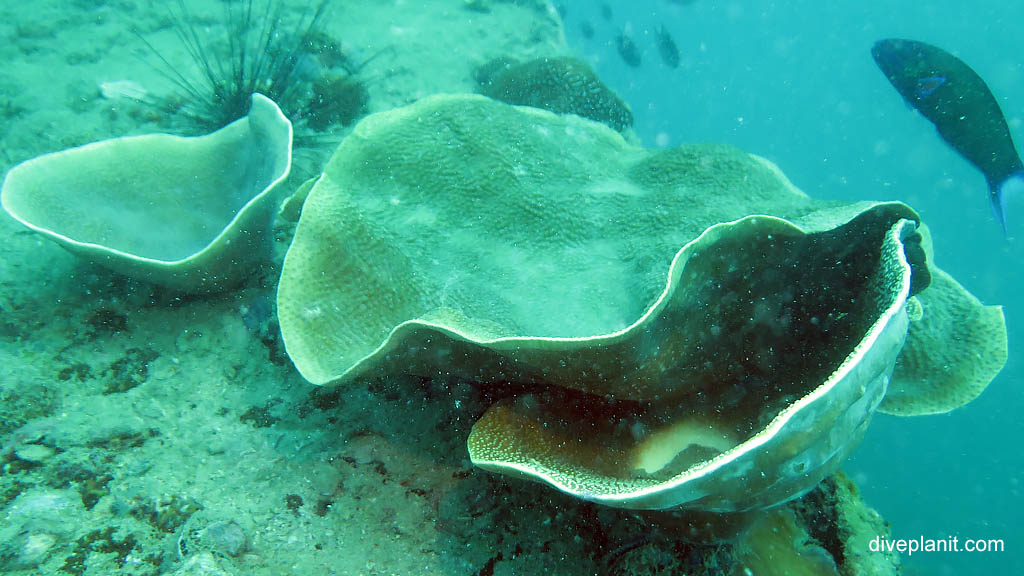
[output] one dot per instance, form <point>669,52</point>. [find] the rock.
<point>34,452</point>
<point>36,523</point>
<point>203,564</point>
<point>225,537</point>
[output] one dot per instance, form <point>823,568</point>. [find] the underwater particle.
<point>628,50</point>
<point>562,85</point>
<point>335,100</point>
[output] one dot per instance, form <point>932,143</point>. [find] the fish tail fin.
<point>999,193</point>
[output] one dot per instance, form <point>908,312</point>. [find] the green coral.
<point>167,514</point>
<point>98,542</point>
<point>562,85</point>
<point>955,347</point>
<point>20,403</point>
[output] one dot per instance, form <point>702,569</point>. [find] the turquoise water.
<point>795,82</point>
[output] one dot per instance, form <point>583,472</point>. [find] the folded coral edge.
<point>217,265</point>
<point>866,363</point>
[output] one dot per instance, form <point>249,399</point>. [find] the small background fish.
<point>628,51</point>
<point>667,47</point>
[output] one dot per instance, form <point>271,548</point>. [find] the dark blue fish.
<point>628,51</point>
<point>667,47</point>
<point>586,29</point>
<point>958,102</point>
